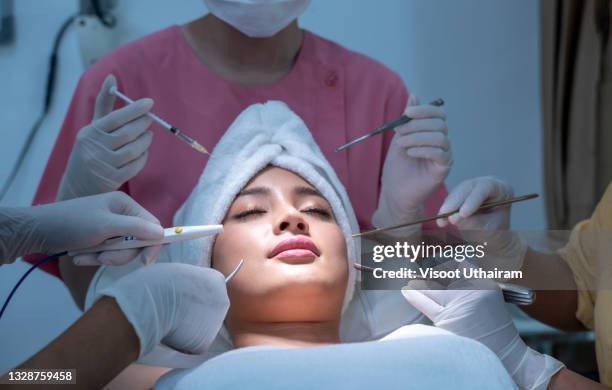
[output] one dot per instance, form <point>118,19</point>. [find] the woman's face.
<point>295,262</point>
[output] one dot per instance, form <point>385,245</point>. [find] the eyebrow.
<point>266,191</point>
<point>255,191</point>
<point>307,191</point>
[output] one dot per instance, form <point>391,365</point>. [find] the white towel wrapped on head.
<point>263,135</point>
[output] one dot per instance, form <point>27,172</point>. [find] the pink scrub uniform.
<point>338,93</point>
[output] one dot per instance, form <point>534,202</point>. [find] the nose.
<point>292,222</point>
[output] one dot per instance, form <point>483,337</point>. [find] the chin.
<point>298,297</point>
<point>311,274</point>
<point>304,303</point>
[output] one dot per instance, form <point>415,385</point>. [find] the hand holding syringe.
<point>180,134</point>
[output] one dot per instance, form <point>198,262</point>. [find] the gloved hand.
<point>471,194</point>
<point>77,224</point>
<point>504,248</point>
<point>418,161</point>
<point>476,309</point>
<point>181,305</point>
<point>109,151</point>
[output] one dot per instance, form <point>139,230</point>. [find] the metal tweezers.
<point>387,126</point>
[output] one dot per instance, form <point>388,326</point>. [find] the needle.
<point>234,272</point>
<point>180,134</point>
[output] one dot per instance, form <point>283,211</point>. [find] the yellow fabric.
<point>589,255</point>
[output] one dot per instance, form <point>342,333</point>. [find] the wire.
<point>32,268</point>
<point>51,75</point>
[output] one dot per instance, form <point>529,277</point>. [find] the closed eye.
<point>249,213</point>
<point>322,213</point>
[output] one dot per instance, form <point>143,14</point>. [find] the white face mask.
<point>257,18</point>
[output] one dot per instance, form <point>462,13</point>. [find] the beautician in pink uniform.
<point>200,76</point>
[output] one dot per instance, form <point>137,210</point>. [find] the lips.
<point>295,248</point>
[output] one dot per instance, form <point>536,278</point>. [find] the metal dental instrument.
<point>387,126</point>
<point>180,134</point>
<point>234,272</point>
<point>516,294</point>
<point>513,293</point>
<point>483,207</point>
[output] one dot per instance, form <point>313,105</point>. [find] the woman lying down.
<point>287,215</point>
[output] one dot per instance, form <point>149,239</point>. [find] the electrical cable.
<point>108,20</point>
<point>25,275</point>
<point>50,86</point>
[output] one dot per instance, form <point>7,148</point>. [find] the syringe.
<point>181,135</point>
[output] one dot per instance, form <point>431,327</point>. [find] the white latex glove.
<point>503,246</point>
<point>476,309</point>
<point>471,194</point>
<point>77,224</point>
<point>180,305</point>
<point>109,151</point>
<point>418,161</point>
